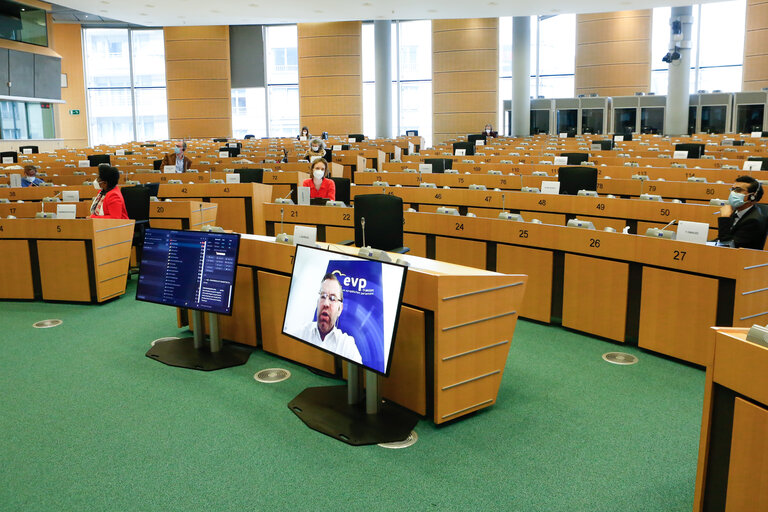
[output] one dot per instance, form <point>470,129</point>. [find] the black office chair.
<point>96,160</point>
<point>411,133</point>
<point>359,137</point>
<point>34,149</point>
<point>573,179</point>
<point>576,158</point>
<point>439,164</point>
<point>342,189</point>
<point>762,159</point>
<point>137,206</point>
<point>9,154</point>
<point>627,135</point>
<point>383,222</point>
<point>469,148</point>
<point>157,164</point>
<point>219,140</point>
<point>233,152</point>
<point>153,188</point>
<point>694,150</point>
<point>250,175</point>
<point>605,145</point>
<point>249,136</point>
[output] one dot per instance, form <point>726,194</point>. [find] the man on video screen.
<point>323,332</point>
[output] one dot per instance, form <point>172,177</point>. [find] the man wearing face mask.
<point>30,177</point>
<point>177,158</point>
<point>742,223</point>
<point>319,185</point>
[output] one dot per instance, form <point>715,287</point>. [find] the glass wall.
<point>411,78</point>
<point>716,62</point>
<point>282,73</point>
<point>125,83</point>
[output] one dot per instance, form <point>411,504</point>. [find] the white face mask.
<point>487,130</point>
<point>315,148</point>
<point>318,174</point>
<point>96,185</point>
<point>30,179</point>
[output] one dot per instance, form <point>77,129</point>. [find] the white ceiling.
<point>254,12</point>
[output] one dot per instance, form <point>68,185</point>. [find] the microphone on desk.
<point>672,222</point>
<point>502,203</point>
<point>370,252</point>
<point>283,237</point>
<point>285,199</point>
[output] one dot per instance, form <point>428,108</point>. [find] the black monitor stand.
<point>193,354</point>
<point>337,411</point>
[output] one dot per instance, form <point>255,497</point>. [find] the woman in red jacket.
<point>108,203</point>
<point>319,184</point>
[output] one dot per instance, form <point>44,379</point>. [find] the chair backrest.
<point>573,179</point>
<point>156,164</point>
<point>95,160</point>
<point>411,133</point>
<point>250,175</point>
<point>359,137</point>
<point>342,189</point>
<point>153,188</point>
<point>472,138</point>
<point>219,140</point>
<point>764,160</point>
<point>439,164</point>
<point>383,221</point>
<point>233,152</point>
<point>576,158</point>
<point>249,136</point>
<point>694,150</point>
<point>9,154</point>
<point>468,147</point>
<point>136,202</point>
<point>34,149</point>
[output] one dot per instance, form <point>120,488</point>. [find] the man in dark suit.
<point>742,222</point>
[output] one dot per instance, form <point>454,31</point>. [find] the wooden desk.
<point>732,471</point>
<point>181,214</point>
<point>240,205</point>
<point>80,260</point>
<point>455,329</point>
<point>659,294</point>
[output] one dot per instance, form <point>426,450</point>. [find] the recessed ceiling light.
<point>367,4</point>
<point>149,5</point>
<point>253,5</point>
<point>318,11</point>
<point>216,11</point>
<point>104,1</point>
<point>431,10</point>
<point>493,3</point>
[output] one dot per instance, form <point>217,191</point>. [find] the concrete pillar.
<point>382,33</point>
<point>521,76</point>
<point>678,95</point>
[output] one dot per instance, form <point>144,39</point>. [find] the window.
<point>411,78</point>
<point>282,63</point>
<point>125,82</point>
<point>21,120</point>
<point>716,62</point>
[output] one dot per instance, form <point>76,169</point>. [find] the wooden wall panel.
<point>198,81</point>
<point>613,53</point>
<point>66,40</point>
<point>755,75</point>
<point>330,77</point>
<point>465,75</point>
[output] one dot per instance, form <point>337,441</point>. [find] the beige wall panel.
<point>620,29</point>
<point>190,33</point>
<point>191,128</point>
<point>198,89</point>
<point>471,59</point>
<point>757,16</point>
<point>338,105</point>
<point>464,24</point>
<point>612,75</point>
<point>329,66</point>
<point>66,41</point>
<point>199,69</point>
<point>334,125</point>
<point>341,28</point>
<point>331,86</point>
<point>625,52</point>
<point>462,122</point>
<point>756,42</point>
<point>197,109</point>
<point>485,39</point>
<point>322,46</point>
<point>756,85</point>
<point>196,49</point>
<point>613,15</point>
<point>465,82</point>
<point>755,67</point>
<point>464,101</point>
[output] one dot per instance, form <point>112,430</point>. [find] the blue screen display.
<point>189,269</point>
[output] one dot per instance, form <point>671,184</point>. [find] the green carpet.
<point>89,423</point>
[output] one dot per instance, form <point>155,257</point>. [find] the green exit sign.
<point>75,112</point>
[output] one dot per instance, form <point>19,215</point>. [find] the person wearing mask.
<point>320,186</point>
<point>108,203</point>
<point>488,131</point>
<point>177,158</point>
<point>316,150</point>
<point>304,135</point>
<point>742,223</point>
<point>30,178</point>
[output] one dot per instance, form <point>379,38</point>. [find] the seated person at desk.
<point>108,203</point>
<point>742,223</point>
<point>320,186</point>
<point>488,131</point>
<point>30,178</point>
<point>323,333</point>
<point>316,150</point>
<point>304,135</point>
<point>177,158</point>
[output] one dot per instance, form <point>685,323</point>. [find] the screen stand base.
<point>193,354</point>
<point>329,410</point>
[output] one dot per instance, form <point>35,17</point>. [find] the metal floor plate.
<point>45,324</point>
<point>619,358</point>
<point>272,375</point>
<point>160,340</point>
<point>405,443</point>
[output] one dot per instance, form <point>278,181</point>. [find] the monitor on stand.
<point>193,270</point>
<point>348,306</point>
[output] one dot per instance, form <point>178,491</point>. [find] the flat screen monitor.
<point>345,305</point>
<point>250,175</point>
<point>573,179</point>
<point>189,269</point>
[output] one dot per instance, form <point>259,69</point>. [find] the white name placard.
<point>680,154</point>
<point>119,152</point>
<point>756,135</point>
<point>169,169</point>
<point>425,168</point>
<point>70,196</point>
<point>231,177</point>
<point>80,163</point>
<point>561,160</point>
<point>304,235</point>
<point>66,211</point>
<point>337,147</point>
<point>550,187</point>
<point>479,142</point>
<point>563,135</point>
<point>15,180</point>
<point>750,165</point>
<point>223,154</point>
<point>695,232</point>
<point>618,138</point>
<point>460,152</point>
<point>27,151</point>
<point>303,195</point>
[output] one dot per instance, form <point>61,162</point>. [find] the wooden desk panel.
<point>15,270</point>
<point>595,296</point>
<point>407,380</point>
<point>748,469</point>
<point>537,265</point>
<point>676,311</point>
<point>64,270</point>
<point>231,213</point>
<point>417,244</point>
<point>460,252</point>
